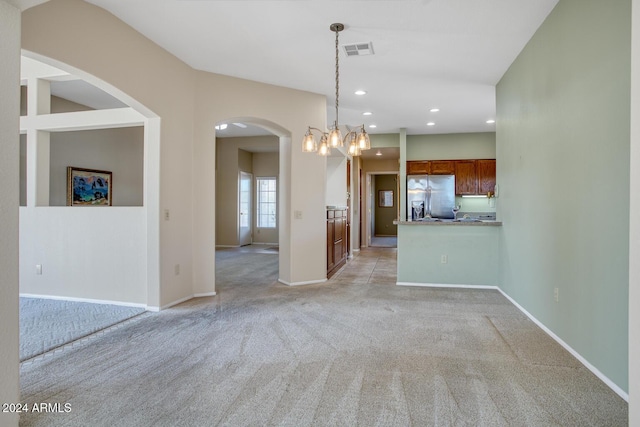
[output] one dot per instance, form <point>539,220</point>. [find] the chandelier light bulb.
<point>324,149</point>
<point>354,149</point>
<point>335,137</point>
<point>364,143</point>
<point>309,144</point>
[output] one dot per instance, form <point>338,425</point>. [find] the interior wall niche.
<point>119,150</point>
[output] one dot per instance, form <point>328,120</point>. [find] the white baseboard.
<point>445,285</point>
<point>204,294</point>
<point>227,246</point>
<point>89,300</point>
<point>567,347</point>
<point>613,386</point>
<point>310,282</point>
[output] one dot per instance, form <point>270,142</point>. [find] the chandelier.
<point>357,136</point>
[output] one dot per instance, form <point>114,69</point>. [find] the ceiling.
<point>445,54</point>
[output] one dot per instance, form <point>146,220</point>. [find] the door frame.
<point>370,199</point>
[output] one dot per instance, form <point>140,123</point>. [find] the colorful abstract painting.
<point>88,187</point>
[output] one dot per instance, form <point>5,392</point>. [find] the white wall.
<point>9,200</point>
<point>102,253</point>
<point>336,181</point>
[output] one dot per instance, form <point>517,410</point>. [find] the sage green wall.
<point>563,120</point>
<point>452,146</point>
<point>384,217</point>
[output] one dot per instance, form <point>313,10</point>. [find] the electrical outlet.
<point>167,215</point>
<point>444,259</point>
<point>177,269</point>
<point>556,294</point>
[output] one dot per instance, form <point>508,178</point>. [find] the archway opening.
<point>252,199</point>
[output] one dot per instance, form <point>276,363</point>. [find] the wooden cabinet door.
<point>331,261</point>
<point>418,167</point>
<point>486,171</point>
<point>443,167</point>
<point>466,179</point>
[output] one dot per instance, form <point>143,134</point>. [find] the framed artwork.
<point>88,187</point>
<point>385,198</point>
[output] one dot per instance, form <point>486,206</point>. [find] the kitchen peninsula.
<point>448,253</point>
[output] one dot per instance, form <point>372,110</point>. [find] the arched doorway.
<point>252,186</point>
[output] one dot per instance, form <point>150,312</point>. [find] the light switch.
<point>39,269</point>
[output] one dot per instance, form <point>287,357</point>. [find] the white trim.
<point>310,282</point>
<point>176,302</point>
<point>567,347</point>
<point>83,120</point>
<point>227,246</point>
<point>89,300</point>
<point>445,285</point>
<point>204,294</point>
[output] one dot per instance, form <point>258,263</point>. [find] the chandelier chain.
<point>337,77</point>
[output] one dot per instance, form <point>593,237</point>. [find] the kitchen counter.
<point>450,222</point>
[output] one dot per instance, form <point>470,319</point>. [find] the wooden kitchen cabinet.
<point>466,178</point>
<point>486,172</point>
<point>443,167</point>
<point>418,167</point>
<point>336,240</point>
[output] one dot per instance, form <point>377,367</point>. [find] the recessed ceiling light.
<point>490,121</point>
<point>367,113</point>
<point>434,110</point>
<point>360,92</point>
<point>431,124</point>
<point>373,126</point>
<point>379,153</point>
<point>223,126</point>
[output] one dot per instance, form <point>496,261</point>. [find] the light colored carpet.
<point>355,351</point>
<point>46,324</point>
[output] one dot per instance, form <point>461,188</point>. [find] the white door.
<point>244,211</point>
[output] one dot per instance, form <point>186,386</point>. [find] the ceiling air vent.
<point>358,49</point>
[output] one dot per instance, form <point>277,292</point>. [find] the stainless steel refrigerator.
<point>430,196</point>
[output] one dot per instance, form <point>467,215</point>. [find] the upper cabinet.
<point>419,167</point>
<point>486,171</point>
<point>431,167</point>
<point>472,176</point>
<point>466,178</point>
<point>443,167</point>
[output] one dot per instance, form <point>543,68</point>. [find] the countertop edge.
<point>451,223</point>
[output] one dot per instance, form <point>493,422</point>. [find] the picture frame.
<point>385,198</point>
<point>89,187</point>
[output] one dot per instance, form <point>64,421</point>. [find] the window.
<point>266,209</point>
